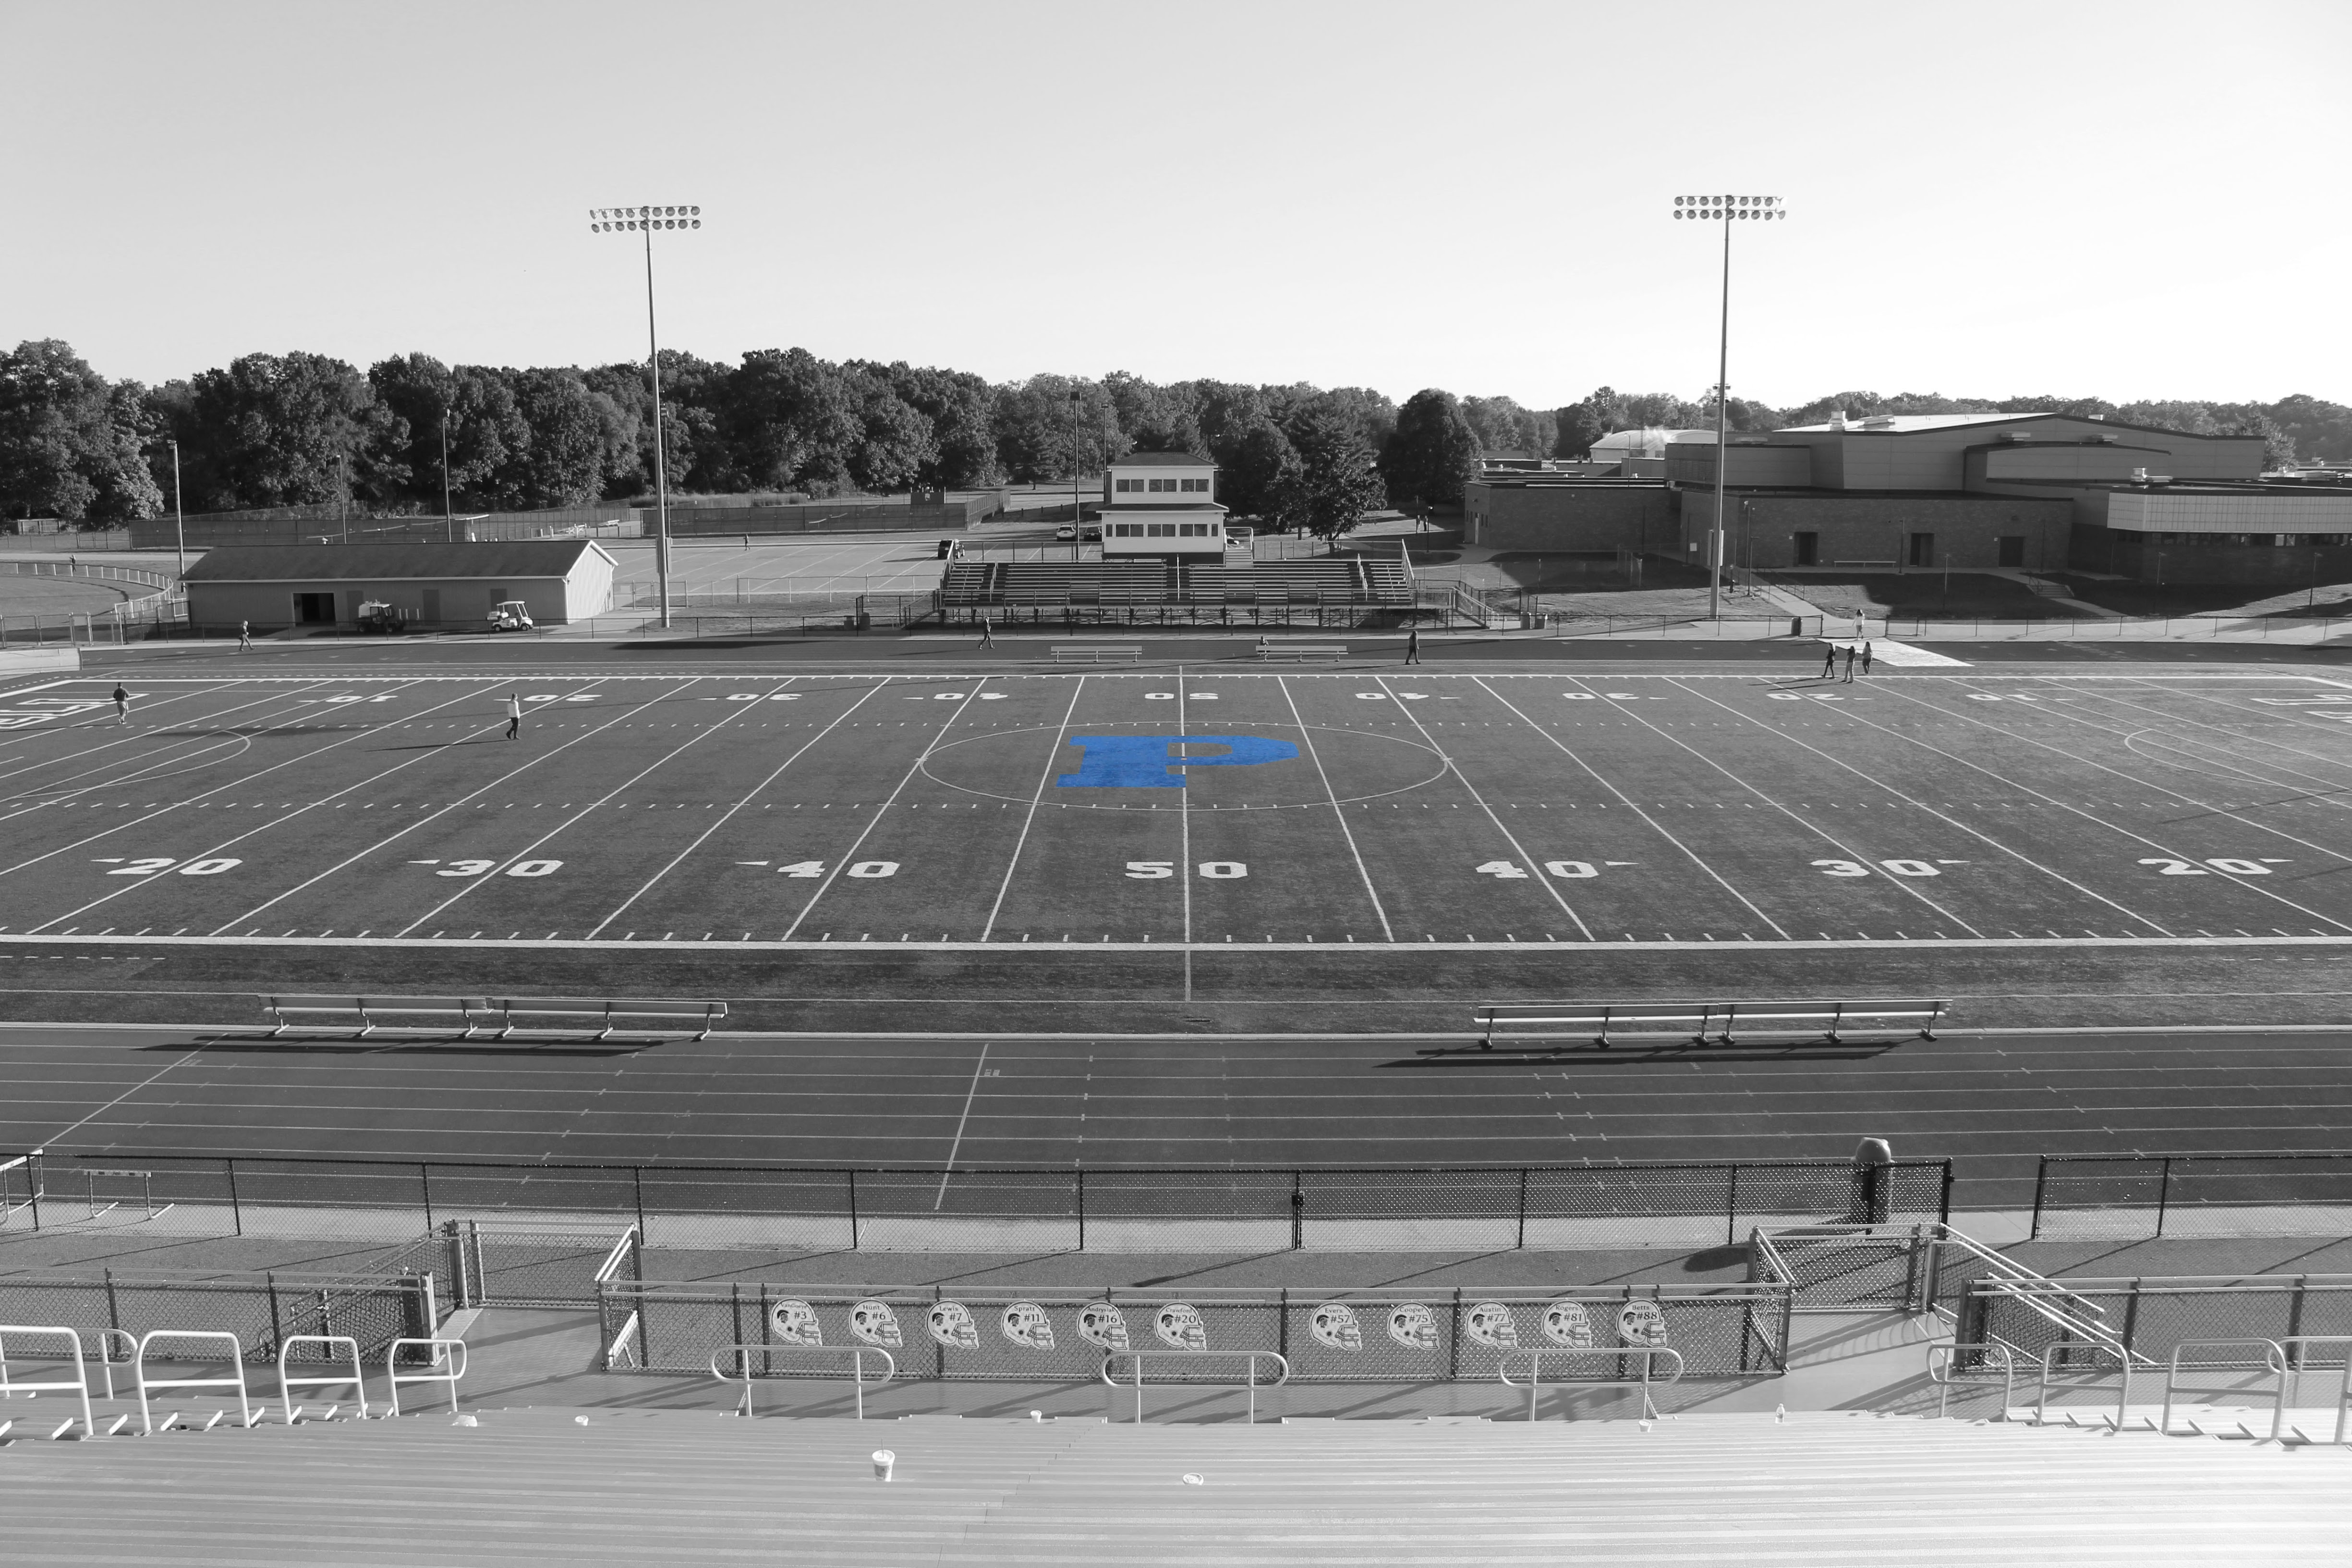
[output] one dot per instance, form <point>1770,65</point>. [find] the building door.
<point>314,609</point>
<point>1923,550</point>
<point>2012,549</point>
<point>433,606</point>
<point>1808,548</point>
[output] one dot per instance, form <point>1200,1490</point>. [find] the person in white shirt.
<point>514,716</point>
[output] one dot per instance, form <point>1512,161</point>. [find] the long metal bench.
<point>1301,651</point>
<point>505,1015</point>
<point>611,1012</point>
<point>1718,1020</point>
<point>1094,653</point>
<point>371,1013</point>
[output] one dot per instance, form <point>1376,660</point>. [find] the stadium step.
<point>684,1488</point>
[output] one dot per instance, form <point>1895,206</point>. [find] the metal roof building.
<point>448,587</point>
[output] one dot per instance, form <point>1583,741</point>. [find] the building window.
<point>1159,485</point>
<point>1194,529</point>
<point>1126,486</point>
<point>1200,485</point>
<point>1162,529</point>
<point>1126,530</point>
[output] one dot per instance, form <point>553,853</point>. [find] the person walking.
<point>245,636</point>
<point>514,716</point>
<point>1829,663</point>
<point>1849,661</point>
<point>987,636</point>
<point>1412,644</point>
<point>122,704</point>
<point>1865,658</point>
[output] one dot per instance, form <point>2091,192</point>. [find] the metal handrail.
<point>286,1383</point>
<point>2294,1344</point>
<point>1649,1355</point>
<point>1282,1364</point>
<point>1948,1349</point>
<point>857,1353</point>
<point>440,1349</point>
<point>2274,1362</point>
<point>236,1359</point>
<point>80,1385</point>
<point>106,1338</point>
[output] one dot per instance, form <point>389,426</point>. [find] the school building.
<point>1968,491</point>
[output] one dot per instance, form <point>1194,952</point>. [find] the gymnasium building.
<point>2039,492</point>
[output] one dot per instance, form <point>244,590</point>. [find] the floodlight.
<point>644,220</point>
<point>1727,208</point>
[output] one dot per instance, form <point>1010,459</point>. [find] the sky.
<point>2122,200</point>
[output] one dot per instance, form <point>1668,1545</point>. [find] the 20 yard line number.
<point>156,865</point>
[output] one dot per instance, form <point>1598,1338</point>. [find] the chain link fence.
<point>1031,1209</point>
<point>1336,1336</point>
<point>2136,1197</point>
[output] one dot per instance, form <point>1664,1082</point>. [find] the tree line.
<point>297,429</point>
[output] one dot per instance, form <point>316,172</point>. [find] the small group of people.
<point>1853,656</point>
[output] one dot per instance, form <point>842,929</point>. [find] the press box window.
<point>1126,486</point>
<point>1162,529</point>
<point>1126,530</point>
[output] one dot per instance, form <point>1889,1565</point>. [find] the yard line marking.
<point>970,1095</point>
<point>739,806</point>
<point>100,716</point>
<point>1053,764</point>
<point>428,755</point>
<point>174,806</point>
<point>849,855</point>
<point>1447,758</point>
<point>1630,805</point>
<point>575,818</point>
<point>1184,834</point>
<point>135,773</point>
<point>2272,714</point>
<point>1876,783</point>
<point>24,737</point>
<point>1387,932</point>
<point>59,1135</point>
<point>2026,789</point>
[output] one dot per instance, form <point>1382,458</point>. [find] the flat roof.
<point>1914,423</point>
<point>1160,461</point>
<point>504,558</point>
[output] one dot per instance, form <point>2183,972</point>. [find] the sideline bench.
<point>1094,653</point>
<point>1302,650</point>
<point>1807,1019</point>
<point>505,1015</point>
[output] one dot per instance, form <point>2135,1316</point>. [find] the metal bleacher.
<point>622,1486</point>
<point>1322,580</point>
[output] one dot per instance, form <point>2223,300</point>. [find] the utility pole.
<point>179,514</point>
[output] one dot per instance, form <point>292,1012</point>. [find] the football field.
<point>1450,824</point>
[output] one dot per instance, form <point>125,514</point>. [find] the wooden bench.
<point>1094,653</point>
<point>1302,650</point>
<point>505,1015</point>
<point>612,1013</point>
<point>1701,1019</point>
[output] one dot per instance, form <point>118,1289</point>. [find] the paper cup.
<point>883,1460</point>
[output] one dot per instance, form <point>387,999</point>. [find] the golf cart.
<point>511,616</point>
<point>375,616</point>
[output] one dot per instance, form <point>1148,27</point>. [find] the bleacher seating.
<point>634,1487</point>
<point>1321,580</point>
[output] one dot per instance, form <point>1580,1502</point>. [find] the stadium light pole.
<point>644,221</point>
<point>1726,211</point>
<point>1075,508</point>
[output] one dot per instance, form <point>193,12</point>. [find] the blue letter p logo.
<point>1149,761</point>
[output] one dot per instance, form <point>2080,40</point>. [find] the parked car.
<point>511,616</point>
<point>1067,531</point>
<point>1091,533</point>
<point>949,548</point>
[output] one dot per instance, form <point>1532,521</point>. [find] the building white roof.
<point>1905,422</point>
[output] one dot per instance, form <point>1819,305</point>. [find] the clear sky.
<point>2126,200</point>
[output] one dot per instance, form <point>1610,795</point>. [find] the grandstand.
<point>1353,587</point>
